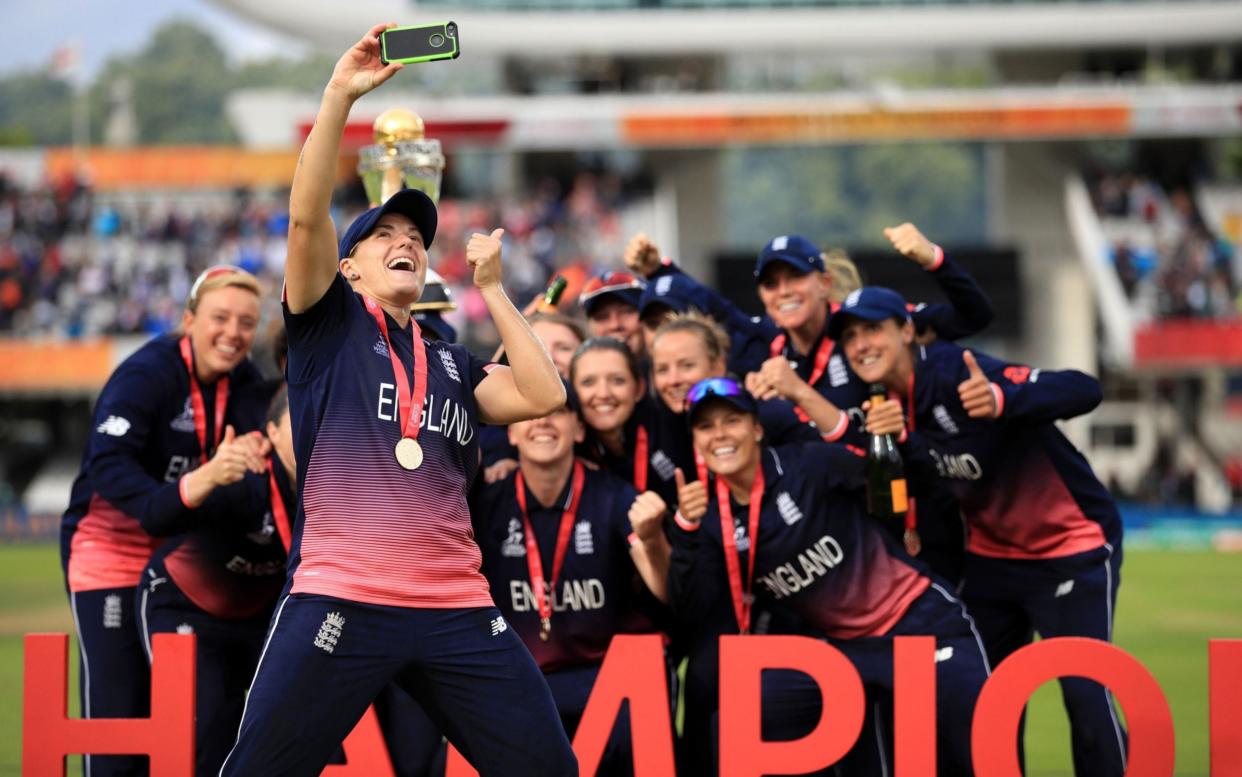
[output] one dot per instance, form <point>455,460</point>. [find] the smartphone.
<point>419,44</point>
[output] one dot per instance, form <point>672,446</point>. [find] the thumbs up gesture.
<point>976,391</point>
<point>483,256</point>
<point>691,498</point>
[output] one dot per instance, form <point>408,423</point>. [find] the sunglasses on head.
<point>713,387</point>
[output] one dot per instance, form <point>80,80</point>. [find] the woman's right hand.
<point>360,69</point>
<point>691,498</point>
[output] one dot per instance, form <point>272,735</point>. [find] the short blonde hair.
<point>218,277</point>
<point>713,336</point>
<point>842,274</point>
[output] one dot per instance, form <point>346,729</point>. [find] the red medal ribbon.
<point>200,408</point>
<point>407,400</point>
<point>911,517</point>
<point>641,464</point>
<point>822,354</point>
<point>534,562</point>
<point>280,516</point>
<point>742,597</point>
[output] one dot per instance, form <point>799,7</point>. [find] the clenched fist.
<point>483,256</point>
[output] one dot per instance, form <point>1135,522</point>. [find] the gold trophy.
<point>401,158</point>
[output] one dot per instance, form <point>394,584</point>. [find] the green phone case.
<point>419,43</point>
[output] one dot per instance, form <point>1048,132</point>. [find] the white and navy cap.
<point>870,303</point>
<point>794,250</point>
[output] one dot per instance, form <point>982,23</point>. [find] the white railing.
<point>1116,315</point>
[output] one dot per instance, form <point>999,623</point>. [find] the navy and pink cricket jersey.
<point>367,529</point>
<point>594,594</point>
<point>819,556</point>
<point>1026,492</point>
<point>143,440</point>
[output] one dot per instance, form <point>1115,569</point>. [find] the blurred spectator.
<point>1170,261</point>
<point>76,265</point>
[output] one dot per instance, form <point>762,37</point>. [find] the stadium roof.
<point>548,27</point>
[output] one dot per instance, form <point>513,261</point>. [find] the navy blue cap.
<point>432,323</point>
<point>673,291</point>
<point>625,286</point>
<point>870,303</point>
<point>412,203</point>
<point>702,394</point>
<point>794,250</point>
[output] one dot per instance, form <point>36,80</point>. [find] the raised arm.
<point>312,259</point>
<point>968,311</point>
<point>530,387</point>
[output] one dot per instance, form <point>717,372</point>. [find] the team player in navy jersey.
<point>788,527</point>
<point>220,581</point>
<point>564,547</point>
<point>384,580</point>
<point>610,301</point>
<point>1043,547</point>
<point>688,348</point>
<point>180,401</point>
<point>623,435</point>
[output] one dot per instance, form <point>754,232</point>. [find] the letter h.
<point>49,734</point>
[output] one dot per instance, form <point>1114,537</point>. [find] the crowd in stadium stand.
<point>75,264</point>
<point>1171,261</point>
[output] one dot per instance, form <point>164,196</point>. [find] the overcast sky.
<point>30,30</point>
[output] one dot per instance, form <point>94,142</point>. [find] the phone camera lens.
<point>437,40</point>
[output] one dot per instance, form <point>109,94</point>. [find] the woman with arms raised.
<point>384,582</point>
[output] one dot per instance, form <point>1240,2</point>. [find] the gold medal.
<point>913,542</point>
<point>409,453</point>
<point>545,629</point>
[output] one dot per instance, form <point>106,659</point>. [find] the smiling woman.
<point>387,565</point>
<point>167,432</point>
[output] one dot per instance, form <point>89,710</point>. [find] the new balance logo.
<point>112,611</point>
<point>380,347</point>
<point>114,426</point>
<point>450,366</point>
<point>788,509</point>
<point>944,419</point>
<point>944,654</point>
<point>663,284</point>
<point>499,626</point>
<point>330,632</point>
<point>1064,588</point>
<point>852,299</point>
<point>185,628</point>
<point>780,243</point>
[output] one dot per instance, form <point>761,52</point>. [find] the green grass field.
<point>1171,604</point>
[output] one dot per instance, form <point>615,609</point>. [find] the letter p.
<point>743,753</point>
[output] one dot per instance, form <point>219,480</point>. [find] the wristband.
<point>685,523</point>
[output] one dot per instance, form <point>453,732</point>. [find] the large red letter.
<point>994,735</point>
<point>49,734</point>
<point>914,705</point>
<point>366,755</point>
<point>633,669</point>
<point>1224,683</point>
<point>743,753</point>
